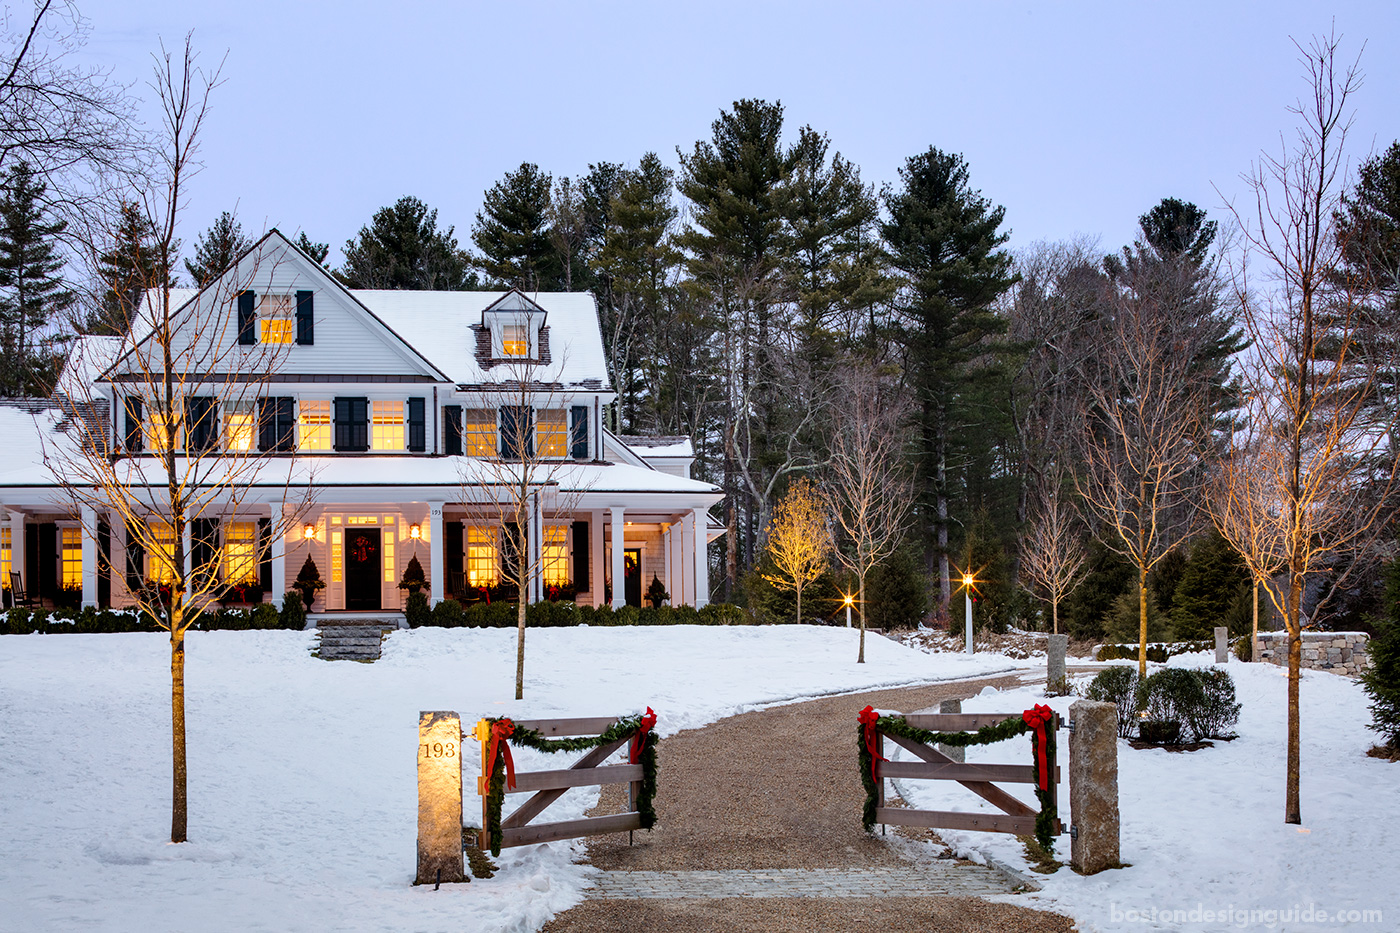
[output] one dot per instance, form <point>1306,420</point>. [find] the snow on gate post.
<point>1093,786</point>
<point>439,798</point>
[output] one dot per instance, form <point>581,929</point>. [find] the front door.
<point>362,569</point>
<point>632,576</point>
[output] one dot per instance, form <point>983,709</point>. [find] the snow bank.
<point>1203,831</point>
<point>302,772</point>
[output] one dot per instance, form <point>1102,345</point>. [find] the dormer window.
<point>515,340</point>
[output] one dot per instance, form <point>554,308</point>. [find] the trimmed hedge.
<point>1157,652</point>
<point>451,614</point>
<point>21,621</point>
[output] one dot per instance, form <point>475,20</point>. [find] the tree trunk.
<point>179,808</point>
<point>799,602</point>
<point>1142,621</point>
<point>945,586</point>
<point>520,636</point>
<point>1055,616</point>
<point>1292,806</point>
<point>860,656</point>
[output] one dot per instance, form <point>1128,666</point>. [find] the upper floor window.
<point>387,426</point>
<point>240,423</point>
<point>480,432</point>
<point>515,340</point>
<point>314,419</point>
<point>276,315</point>
<point>551,433</point>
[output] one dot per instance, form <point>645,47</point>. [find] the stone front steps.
<point>353,640</point>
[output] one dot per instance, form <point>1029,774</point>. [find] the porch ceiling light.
<point>415,531</point>
<point>308,531</point>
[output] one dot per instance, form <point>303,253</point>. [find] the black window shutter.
<point>581,552</point>
<point>200,414</point>
<point>509,432</point>
<point>578,432</point>
<point>104,565</point>
<point>286,424</point>
<point>306,324</point>
<point>511,546</point>
<point>417,425</point>
<point>48,560</point>
<point>247,321</point>
<point>135,562</point>
<point>351,424</point>
<point>267,424</point>
<point>204,544</point>
<point>265,554</point>
<point>452,429</point>
<point>133,425</point>
<point>452,550</point>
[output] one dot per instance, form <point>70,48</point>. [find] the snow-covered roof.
<point>439,326</point>
<point>662,445</point>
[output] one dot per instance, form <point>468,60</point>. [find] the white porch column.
<point>118,560</point>
<point>595,564</point>
<point>19,554</point>
<point>702,558</point>
<point>619,590</point>
<point>89,521</point>
<point>666,554</point>
<point>687,551</point>
<point>533,550</point>
<point>278,553</point>
<point>678,562</point>
<point>438,564</point>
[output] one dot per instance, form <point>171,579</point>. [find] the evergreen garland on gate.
<point>1008,728</point>
<point>531,738</point>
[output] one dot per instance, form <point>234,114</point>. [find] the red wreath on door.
<point>359,549</point>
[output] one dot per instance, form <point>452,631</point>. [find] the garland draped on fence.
<point>499,763</point>
<point>1032,721</point>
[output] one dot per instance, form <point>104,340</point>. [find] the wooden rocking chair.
<point>17,595</point>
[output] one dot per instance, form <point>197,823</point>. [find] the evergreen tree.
<point>1213,579</point>
<point>943,238</point>
<point>32,291</point>
<point>128,270</point>
<point>512,232</point>
<point>568,231</point>
<point>216,249</point>
<point>1382,676</point>
<point>403,248</point>
<point>317,251</point>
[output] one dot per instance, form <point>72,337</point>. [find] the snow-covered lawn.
<point>302,772</point>
<point>1203,831</point>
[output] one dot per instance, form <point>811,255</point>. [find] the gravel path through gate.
<point>759,829</point>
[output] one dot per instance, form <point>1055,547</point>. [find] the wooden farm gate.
<point>1016,817</point>
<point>549,786</point>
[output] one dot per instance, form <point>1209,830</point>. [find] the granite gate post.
<point>1093,786</point>
<point>1222,644</point>
<point>439,798</point>
<point>1055,663</point>
<point>955,752</point>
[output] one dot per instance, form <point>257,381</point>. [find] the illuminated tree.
<point>1053,554</point>
<point>799,540</point>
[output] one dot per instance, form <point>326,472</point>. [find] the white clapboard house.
<point>387,425</point>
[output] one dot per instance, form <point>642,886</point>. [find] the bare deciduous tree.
<point>1312,482</point>
<point>871,491</point>
<point>799,539</point>
<point>161,463</point>
<point>1053,554</point>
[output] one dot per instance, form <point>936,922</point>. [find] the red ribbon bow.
<point>1038,717</point>
<point>501,730</point>
<point>639,739</point>
<point>869,718</point>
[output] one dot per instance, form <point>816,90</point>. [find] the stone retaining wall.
<point>1338,652</point>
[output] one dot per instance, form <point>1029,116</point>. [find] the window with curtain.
<point>277,323</point>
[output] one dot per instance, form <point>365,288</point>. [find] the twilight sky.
<point>1076,117</point>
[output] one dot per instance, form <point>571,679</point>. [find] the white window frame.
<point>500,320</point>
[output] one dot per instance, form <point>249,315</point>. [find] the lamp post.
<point>967,596</point>
<point>848,599</point>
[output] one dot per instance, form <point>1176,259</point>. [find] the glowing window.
<point>161,559</point>
<point>551,433</point>
<point>72,556</point>
<point>241,552</point>
<point>315,420</point>
<point>276,314</point>
<point>482,563</point>
<point>5,565</point>
<point>386,426</point>
<point>391,566</point>
<point>240,426</point>
<point>337,556</point>
<point>554,554</point>
<point>515,340</point>
<point>480,432</point>
<point>153,429</point>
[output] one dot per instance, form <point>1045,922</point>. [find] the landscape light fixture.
<point>848,599</point>
<point>969,583</point>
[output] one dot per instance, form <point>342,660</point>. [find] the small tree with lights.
<point>799,540</point>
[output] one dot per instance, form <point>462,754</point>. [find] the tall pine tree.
<point>128,270</point>
<point>944,240</point>
<point>32,290</point>
<point>216,249</point>
<point>403,248</point>
<point>512,232</point>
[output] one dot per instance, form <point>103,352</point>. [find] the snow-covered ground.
<point>1204,831</point>
<point>302,772</point>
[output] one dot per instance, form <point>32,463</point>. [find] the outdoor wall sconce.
<point>415,531</point>
<point>308,532</point>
